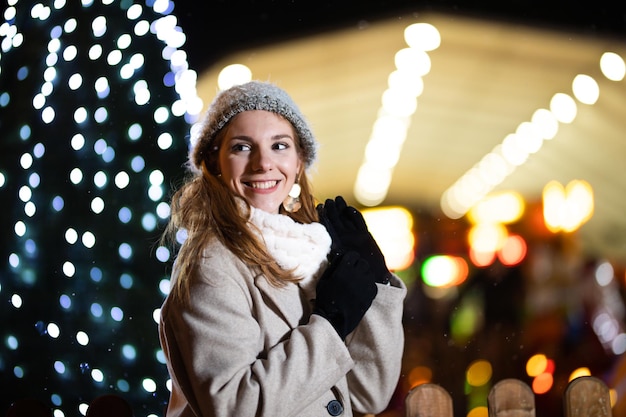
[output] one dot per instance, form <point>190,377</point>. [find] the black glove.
<point>348,231</point>
<point>344,292</point>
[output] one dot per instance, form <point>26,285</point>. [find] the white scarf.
<point>294,245</point>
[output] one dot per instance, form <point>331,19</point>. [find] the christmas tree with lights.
<point>96,99</point>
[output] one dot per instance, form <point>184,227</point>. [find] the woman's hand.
<point>345,292</point>
<point>348,231</point>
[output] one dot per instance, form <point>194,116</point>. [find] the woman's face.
<point>258,158</point>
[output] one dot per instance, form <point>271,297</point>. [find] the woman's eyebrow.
<point>282,136</point>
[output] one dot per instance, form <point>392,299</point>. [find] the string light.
<point>96,99</point>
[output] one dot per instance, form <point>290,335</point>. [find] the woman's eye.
<point>280,146</point>
<point>239,147</point>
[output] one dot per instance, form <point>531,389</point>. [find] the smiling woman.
<point>278,307</point>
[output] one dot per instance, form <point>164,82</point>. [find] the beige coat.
<point>244,348</point>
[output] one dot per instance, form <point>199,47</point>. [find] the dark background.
<point>220,27</point>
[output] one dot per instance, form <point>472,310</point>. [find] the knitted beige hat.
<point>253,95</point>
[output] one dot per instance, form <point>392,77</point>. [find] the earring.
<point>292,202</point>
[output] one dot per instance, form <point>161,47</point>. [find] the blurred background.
<point>484,142</point>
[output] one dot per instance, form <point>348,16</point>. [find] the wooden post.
<point>511,398</point>
<point>428,400</point>
<point>587,396</point>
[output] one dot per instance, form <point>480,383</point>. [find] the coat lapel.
<point>286,300</point>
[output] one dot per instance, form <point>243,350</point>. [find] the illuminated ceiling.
<point>486,78</point>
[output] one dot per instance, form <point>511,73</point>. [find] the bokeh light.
<point>97,102</point>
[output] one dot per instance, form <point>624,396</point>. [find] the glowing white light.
<point>114,57</point>
<point>80,115</point>
<point>75,81</point>
<point>82,408</point>
<point>54,45</point>
<point>70,53</point>
<point>95,52</point>
<point>30,209</point>
<point>163,210</point>
<point>134,11</point>
<point>50,74</point>
<point>612,66</point>
<point>127,71</point>
<point>155,192</point>
<point>124,41</point>
<point>585,89</point>
<point>53,330</point>
<point>233,74</point>
<point>156,313</point>
<point>156,177</point>
<point>422,36</point>
<point>149,385</point>
<point>70,25</point>
<point>99,26</point>
<point>69,269</point>
<point>47,88</point>
<point>20,228</point>
<point>16,301</point>
<point>100,179</point>
<point>97,205</point>
<point>545,123</point>
<point>398,103</point>
<point>26,161</point>
<point>97,375</point>
<point>563,107</point>
<point>52,59</point>
<point>89,239</point>
<point>604,274</point>
<point>47,115</point>
<point>76,175</point>
<point>142,27</point>
<point>165,141</point>
<point>25,193</point>
<point>142,94</point>
<point>162,254</point>
<point>413,60</point>
<point>77,142</point>
<point>122,180</point>
<point>39,100</point>
<point>101,84</point>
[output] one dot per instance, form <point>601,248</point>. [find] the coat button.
<point>334,408</point>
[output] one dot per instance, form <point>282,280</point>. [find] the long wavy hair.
<point>205,208</point>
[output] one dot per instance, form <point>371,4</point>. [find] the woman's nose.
<point>261,160</point>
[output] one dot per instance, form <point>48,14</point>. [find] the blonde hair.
<point>206,208</point>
